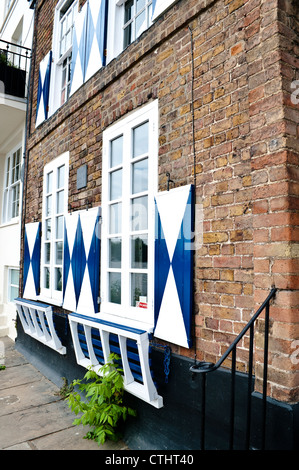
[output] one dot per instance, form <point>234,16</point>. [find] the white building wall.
<point>16,26</point>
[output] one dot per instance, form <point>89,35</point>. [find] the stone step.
<point>3,320</point>
<point>4,331</point>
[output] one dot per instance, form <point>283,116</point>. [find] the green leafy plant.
<point>103,410</point>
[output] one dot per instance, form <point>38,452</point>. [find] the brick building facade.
<point>224,75</point>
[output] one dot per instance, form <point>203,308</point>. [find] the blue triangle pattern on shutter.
<point>78,50</point>
<point>70,229</point>
<point>174,265</point>
<point>93,262</point>
<point>96,36</point>
<point>78,261</point>
<point>31,262</point>
<point>81,262</point>
<point>101,28</point>
<point>182,265</point>
<point>89,42</point>
<point>162,263</point>
<point>43,89</point>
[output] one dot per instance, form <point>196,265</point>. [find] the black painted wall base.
<point>176,426</point>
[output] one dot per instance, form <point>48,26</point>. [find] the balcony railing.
<point>14,68</point>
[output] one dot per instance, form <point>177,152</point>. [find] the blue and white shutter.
<point>82,261</point>
<point>95,37</point>
<point>174,265</point>
<point>78,50</point>
<point>31,265</point>
<point>159,6</point>
<point>43,89</point>
<point>89,42</point>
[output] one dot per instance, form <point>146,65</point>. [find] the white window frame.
<point>9,185</point>
<point>115,40</point>
<point>124,312</point>
<point>56,86</point>
<point>51,294</point>
<point>10,285</point>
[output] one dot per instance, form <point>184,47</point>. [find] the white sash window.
<point>55,195</point>
<point>65,15</point>
<point>131,18</point>
<point>129,185</point>
<point>12,183</point>
<point>137,18</point>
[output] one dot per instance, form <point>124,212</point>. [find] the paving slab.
<point>33,416</point>
<point>18,375</point>
<point>25,425</point>
<point>64,440</point>
<point>23,396</point>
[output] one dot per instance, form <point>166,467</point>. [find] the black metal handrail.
<point>205,367</point>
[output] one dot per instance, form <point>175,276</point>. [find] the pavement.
<point>33,415</point>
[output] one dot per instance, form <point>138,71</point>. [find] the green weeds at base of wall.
<point>103,410</point>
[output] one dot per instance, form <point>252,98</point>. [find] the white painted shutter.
<point>81,261</point>
<point>89,42</point>
<point>31,265</point>
<point>78,50</point>
<point>159,6</point>
<point>43,89</point>
<point>174,265</point>
<point>95,37</point>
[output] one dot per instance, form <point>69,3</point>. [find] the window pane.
<point>115,288</point>
<point>140,4</point>
<point>140,176</point>
<point>13,293</point>
<point>139,213</point>
<point>115,218</point>
<point>60,202</point>
<point>16,166</point>
<point>7,173</point>
<point>58,279</point>
<point>48,229</point>
<point>49,182</point>
<point>115,185</point>
<point>140,24</point>
<point>139,252</point>
<point>128,35</point>
<point>48,205</point>
<point>14,276</point>
<point>116,156</point>
<point>47,252</point>
<point>115,253</point>
<point>60,177</point>
<point>140,140</point>
<point>59,252</point>
<point>138,289</point>
<point>59,227</point>
<point>129,10</point>
<point>15,200</point>
<point>47,278</point>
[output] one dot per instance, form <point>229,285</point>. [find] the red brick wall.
<point>246,169</point>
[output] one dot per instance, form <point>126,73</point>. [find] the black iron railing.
<point>204,368</point>
<point>14,68</point>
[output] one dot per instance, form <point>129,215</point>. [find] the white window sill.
<point>48,300</point>
<point>14,221</point>
<point>139,325</point>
